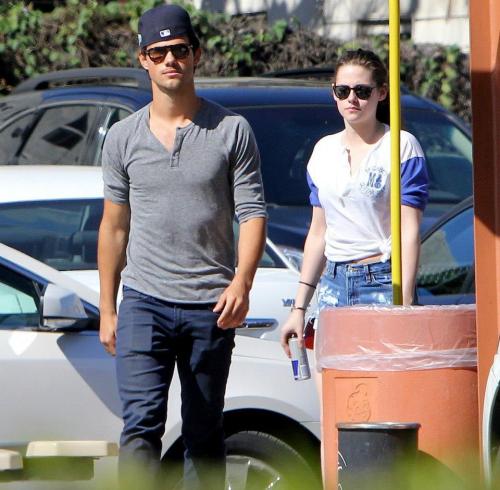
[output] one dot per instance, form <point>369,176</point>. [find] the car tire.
<point>257,460</point>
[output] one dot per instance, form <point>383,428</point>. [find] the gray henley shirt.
<point>183,202</point>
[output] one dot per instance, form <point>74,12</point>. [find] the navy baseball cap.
<point>163,23</point>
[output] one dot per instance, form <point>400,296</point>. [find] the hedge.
<point>97,33</point>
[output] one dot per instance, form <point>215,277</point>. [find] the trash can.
<point>415,363</point>
<point>368,450</point>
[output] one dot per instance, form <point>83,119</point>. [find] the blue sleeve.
<point>313,196</point>
<point>414,183</point>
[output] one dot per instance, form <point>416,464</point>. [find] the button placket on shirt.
<point>176,149</point>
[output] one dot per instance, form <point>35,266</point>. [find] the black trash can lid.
<point>378,425</point>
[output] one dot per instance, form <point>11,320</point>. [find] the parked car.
<point>52,214</point>
<point>59,384</point>
<point>63,118</point>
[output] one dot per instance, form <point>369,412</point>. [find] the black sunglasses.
<point>362,92</point>
<point>159,53</point>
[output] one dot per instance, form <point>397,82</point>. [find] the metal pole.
<point>395,115</point>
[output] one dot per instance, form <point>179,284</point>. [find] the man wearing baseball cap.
<point>175,174</point>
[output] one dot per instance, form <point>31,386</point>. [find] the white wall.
<point>442,21</point>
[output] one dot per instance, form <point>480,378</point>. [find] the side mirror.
<point>61,309</point>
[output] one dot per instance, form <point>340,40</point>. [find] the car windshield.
<point>63,233</point>
<point>286,136</point>
<point>448,152</point>
<point>446,270</point>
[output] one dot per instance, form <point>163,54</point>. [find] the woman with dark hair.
<point>348,244</point>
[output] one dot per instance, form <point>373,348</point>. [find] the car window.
<point>286,136</point>
<point>448,151</point>
<point>12,136</point>
<point>114,115</point>
<point>57,135</point>
<point>19,301</point>
<point>62,234</point>
<point>446,270</point>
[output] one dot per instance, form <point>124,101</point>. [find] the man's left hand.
<point>233,305</point>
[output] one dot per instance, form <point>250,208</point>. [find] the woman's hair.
<point>369,60</point>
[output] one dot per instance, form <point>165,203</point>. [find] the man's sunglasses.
<point>159,53</point>
<point>362,92</point>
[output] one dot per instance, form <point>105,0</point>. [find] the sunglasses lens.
<point>157,55</point>
<point>342,91</point>
<point>363,92</point>
<point>180,51</point>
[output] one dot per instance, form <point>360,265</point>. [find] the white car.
<point>58,383</point>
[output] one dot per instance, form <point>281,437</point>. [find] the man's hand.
<point>107,332</point>
<point>233,304</point>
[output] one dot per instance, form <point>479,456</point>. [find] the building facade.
<point>424,21</point>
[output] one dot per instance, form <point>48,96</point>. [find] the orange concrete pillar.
<point>485,77</point>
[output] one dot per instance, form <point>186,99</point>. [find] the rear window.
<point>286,136</point>
<point>63,233</point>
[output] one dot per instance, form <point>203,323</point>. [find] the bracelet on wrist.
<point>302,308</point>
<point>307,284</point>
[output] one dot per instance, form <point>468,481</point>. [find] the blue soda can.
<point>300,363</point>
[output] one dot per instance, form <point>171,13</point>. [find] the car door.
<point>56,385</point>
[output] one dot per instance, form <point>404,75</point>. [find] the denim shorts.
<point>347,284</point>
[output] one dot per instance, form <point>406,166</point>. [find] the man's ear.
<point>142,60</point>
<point>197,56</point>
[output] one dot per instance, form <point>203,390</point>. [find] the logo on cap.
<point>165,33</point>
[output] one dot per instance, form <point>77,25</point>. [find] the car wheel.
<point>260,461</point>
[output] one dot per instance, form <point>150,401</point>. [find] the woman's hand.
<point>293,327</point>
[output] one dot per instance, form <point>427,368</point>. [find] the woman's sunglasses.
<point>159,53</point>
<point>362,92</point>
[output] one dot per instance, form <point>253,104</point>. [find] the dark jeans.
<point>152,336</point>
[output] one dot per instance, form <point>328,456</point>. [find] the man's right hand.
<point>107,332</point>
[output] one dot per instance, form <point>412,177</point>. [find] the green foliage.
<point>85,33</point>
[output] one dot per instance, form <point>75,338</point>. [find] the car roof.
<point>46,182</point>
<point>131,86</point>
